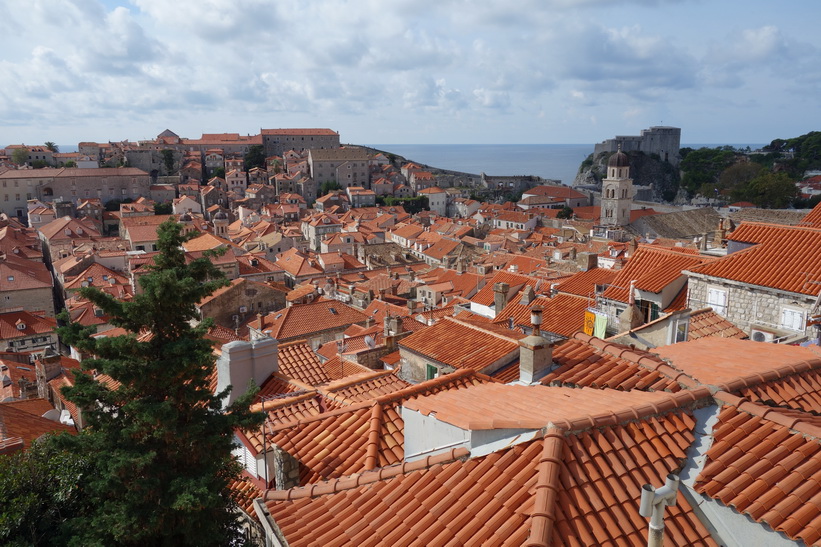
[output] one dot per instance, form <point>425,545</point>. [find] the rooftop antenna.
<point>653,502</point>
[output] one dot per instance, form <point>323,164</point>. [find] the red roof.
<point>302,320</point>
<point>781,257</point>
<point>463,345</point>
<point>652,269</point>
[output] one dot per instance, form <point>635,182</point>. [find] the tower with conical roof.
<point>617,191</point>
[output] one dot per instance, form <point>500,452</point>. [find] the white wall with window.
<point>717,299</point>
<point>792,319</point>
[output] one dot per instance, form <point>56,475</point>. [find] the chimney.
<point>535,358</point>
<point>500,291</point>
<point>412,306</point>
<point>396,325</point>
<point>528,296</point>
<point>241,362</point>
<point>387,325</point>
<point>703,243</point>
<point>587,261</point>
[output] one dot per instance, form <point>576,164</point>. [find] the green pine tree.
<point>159,442</point>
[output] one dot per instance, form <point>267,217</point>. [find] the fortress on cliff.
<point>662,140</point>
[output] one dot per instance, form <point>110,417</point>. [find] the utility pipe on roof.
<point>653,502</point>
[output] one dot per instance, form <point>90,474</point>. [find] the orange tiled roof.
<point>591,362</point>
<point>563,314</point>
<point>340,442</point>
<point>485,295</point>
<point>463,345</point>
<point>766,463</point>
<point>298,361</point>
<point>363,387</point>
<point>782,257</point>
<point>800,392</point>
<point>813,218</point>
<point>304,319</point>
<point>706,322</point>
<point>565,489</point>
<point>17,422</point>
<point>533,407</point>
<point>584,283</point>
<point>732,364</point>
<point>652,269</point>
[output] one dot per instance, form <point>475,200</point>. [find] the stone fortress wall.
<point>662,140</point>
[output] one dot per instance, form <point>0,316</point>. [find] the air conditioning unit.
<point>758,335</point>
<point>243,309</point>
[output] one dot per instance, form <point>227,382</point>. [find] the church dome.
<point>221,216</point>
<point>185,217</point>
<point>619,159</point>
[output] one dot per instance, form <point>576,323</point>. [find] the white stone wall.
<point>749,305</point>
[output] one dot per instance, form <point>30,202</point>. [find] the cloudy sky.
<point>409,71</point>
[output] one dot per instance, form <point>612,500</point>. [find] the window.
<point>431,372</point>
<point>792,319</point>
<point>717,299</point>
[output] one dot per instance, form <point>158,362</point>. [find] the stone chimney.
<point>241,362</point>
<point>535,353</point>
<point>587,261</point>
<point>702,246</point>
<point>528,296</point>
<point>500,291</point>
<point>412,306</point>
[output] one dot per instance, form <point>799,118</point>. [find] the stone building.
<point>279,141</point>
<point>345,166</point>
<point>768,284</point>
<point>105,184</point>
<point>234,304</point>
<point>661,140</point>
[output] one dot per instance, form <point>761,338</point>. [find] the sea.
<point>549,161</point>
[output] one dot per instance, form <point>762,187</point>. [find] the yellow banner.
<point>589,322</point>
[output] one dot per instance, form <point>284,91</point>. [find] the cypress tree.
<point>159,442</point>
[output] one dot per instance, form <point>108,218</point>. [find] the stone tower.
<point>617,191</point>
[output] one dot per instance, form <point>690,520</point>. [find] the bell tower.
<point>617,191</point>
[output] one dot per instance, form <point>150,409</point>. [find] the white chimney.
<point>241,362</point>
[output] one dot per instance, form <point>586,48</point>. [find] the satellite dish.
<point>369,341</point>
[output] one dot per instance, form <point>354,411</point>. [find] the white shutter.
<point>792,319</point>
<point>717,299</point>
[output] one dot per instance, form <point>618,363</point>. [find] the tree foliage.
<point>52,147</point>
<point>771,190</point>
<point>329,186</point>
<point>168,160</point>
<point>20,155</point>
<point>158,440</point>
<point>565,212</point>
<point>702,168</point>
<point>255,157</point>
<point>40,489</point>
<point>412,205</point>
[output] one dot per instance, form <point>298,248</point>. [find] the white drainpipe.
<point>653,502</point>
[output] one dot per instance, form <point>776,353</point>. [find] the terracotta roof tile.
<point>485,294</point>
<point>562,314</point>
<point>337,443</point>
<point>652,269</point>
<point>584,283</point>
<point>771,474</point>
<point>777,259</point>
<point>298,361</point>
<point>17,422</point>
<point>733,364</point>
<point>303,319</point>
<point>706,322</point>
<point>463,345</point>
<point>563,490</point>
<point>534,407</point>
<point>608,366</point>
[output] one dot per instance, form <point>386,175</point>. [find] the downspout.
<point>653,502</point>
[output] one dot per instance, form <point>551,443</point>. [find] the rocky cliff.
<point>646,170</point>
